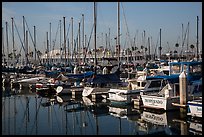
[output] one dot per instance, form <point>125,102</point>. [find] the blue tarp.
<point>106,78</point>
<point>81,75</point>
<point>174,78</point>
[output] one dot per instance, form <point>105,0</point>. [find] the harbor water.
<point>26,113</point>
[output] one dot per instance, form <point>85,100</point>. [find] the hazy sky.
<point>135,18</point>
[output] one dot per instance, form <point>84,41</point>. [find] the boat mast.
<point>149,56</point>
<point>109,39</point>
<point>72,45</point>
<point>3,53</point>
<point>188,37</point>
<point>83,35</point>
<point>60,43</point>
<point>95,62</point>
<point>50,46</point>
<point>197,40</point>
<point>160,48</point>
<point>65,42</point>
<point>26,46</point>
<point>79,45</point>
<point>118,35</point>
<point>13,39</point>
<point>7,43</point>
<point>47,49</point>
<point>35,42</point>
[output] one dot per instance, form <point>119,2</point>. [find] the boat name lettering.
<point>154,101</point>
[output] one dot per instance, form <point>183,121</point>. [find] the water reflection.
<point>160,123</point>
<point>195,127</point>
<point>26,113</point>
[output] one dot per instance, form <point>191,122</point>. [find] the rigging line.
<point>156,45</point>
<point>19,37</point>
<point>56,36</point>
<point>126,26</point>
<point>183,42</point>
<point>12,36</point>
<point>74,53</point>
<point>68,32</point>
<point>76,40</point>
<point>32,39</point>
<point>89,41</point>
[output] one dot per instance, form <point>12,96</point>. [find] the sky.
<point>138,22</point>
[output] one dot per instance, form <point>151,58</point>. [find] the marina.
<point>77,83</point>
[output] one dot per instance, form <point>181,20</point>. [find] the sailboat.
<point>100,83</point>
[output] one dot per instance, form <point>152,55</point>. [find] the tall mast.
<point>109,37</point>
<point>160,46</point>
<point>50,45</point>
<point>27,54</point>
<point>13,39</point>
<point>188,37</point>
<point>118,35</point>
<point>197,40</point>
<point>83,45</point>
<point>24,34</point>
<point>79,47</point>
<point>35,42</point>
<point>47,49</point>
<point>65,42</point>
<point>3,53</point>
<point>149,48</point>
<point>72,42</point>
<point>7,42</point>
<point>60,43</point>
<point>95,62</point>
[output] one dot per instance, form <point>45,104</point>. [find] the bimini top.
<point>174,78</point>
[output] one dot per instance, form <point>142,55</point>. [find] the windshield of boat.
<point>176,68</point>
<point>195,70</point>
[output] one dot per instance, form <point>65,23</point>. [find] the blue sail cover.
<point>106,78</point>
<point>81,75</point>
<point>52,74</point>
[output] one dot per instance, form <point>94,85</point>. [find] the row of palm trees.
<point>133,48</point>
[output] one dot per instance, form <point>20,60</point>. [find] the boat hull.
<point>156,102</point>
<point>195,108</point>
<point>121,95</point>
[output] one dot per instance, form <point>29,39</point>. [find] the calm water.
<point>26,113</point>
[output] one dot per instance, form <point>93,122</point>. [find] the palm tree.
<point>39,53</point>
<point>177,45</point>
<point>192,47</point>
<point>10,55</point>
<point>142,47</point>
